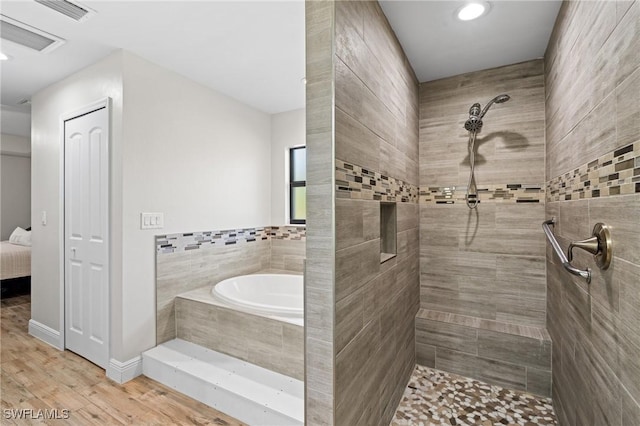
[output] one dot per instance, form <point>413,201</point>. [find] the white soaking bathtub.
<point>277,295</point>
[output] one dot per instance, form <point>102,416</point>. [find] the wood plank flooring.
<point>36,376</point>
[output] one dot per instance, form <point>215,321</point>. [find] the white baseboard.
<point>122,372</point>
<point>46,334</point>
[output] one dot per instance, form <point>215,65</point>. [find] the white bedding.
<point>15,260</point>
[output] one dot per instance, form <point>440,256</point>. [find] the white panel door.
<point>86,227</point>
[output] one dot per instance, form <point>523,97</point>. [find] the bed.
<point>15,269</point>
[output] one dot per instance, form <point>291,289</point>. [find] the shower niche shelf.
<point>388,226</point>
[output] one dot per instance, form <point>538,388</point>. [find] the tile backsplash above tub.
<point>192,260</point>
<point>172,243</point>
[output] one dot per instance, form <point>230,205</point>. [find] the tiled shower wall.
<point>188,261</point>
<point>488,262</point>
<point>593,173</point>
<point>376,121</point>
<point>362,141</point>
<point>319,301</point>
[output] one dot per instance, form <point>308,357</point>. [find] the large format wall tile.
<point>271,344</point>
<point>498,352</point>
<point>482,271</point>
<point>446,335</point>
<point>376,150</point>
<point>189,261</point>
<point>320,251</point>
<point>487,262</point>
<point>592,120</point>
<point>510,147</point>
<point>287,255</point>
<point>184,271</point>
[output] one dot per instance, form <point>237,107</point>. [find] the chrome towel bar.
<point>599,245</point>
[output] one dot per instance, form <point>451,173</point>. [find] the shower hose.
<point>472,203</point>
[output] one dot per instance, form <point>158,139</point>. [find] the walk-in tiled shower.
<point>473,291</point>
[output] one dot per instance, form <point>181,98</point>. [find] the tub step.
<point>249,393</point>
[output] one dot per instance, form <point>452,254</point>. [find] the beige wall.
<point>16,183</point>
<point>197,156</point>
<point>592,118</point>
<point>287,131</point>
<point>103,79</point>
<point>360,313</point>
<point>13,144</point>
<point>488,262</point>
<point>177,148</point>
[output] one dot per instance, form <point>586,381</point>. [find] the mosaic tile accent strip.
<point>356,182</point>
<point>616,173</point>
<point>434,397</point>
<point>172,243</point>
<point>287,232</point>
<point>509,193</point>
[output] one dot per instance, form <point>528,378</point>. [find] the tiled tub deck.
<point>204,320</point>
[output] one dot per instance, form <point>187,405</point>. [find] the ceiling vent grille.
<point>28,36</point>
<point>72,10</point>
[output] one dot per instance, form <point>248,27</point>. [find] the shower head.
<point>474,123</point>
<point>500,99</point>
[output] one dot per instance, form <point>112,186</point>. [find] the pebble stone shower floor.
<point>434,397</point>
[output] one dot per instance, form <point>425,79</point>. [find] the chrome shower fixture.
<point>500,99</point>
<point>474,123</point>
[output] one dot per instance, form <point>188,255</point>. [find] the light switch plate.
<point>151,220</point>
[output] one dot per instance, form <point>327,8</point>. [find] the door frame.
<point>86,109</point>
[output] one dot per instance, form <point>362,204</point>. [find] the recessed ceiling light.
<point>3,57</point>
<point>303,80</point>
<point>472,11</point>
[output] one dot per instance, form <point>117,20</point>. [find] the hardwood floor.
<point>35,376</point>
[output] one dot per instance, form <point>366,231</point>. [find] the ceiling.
<point>439,45</point>
<point>251,51</point>
<point>254,51</point>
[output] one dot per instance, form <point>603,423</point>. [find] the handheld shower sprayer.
<point>474,125</point>
<point>500,99</point>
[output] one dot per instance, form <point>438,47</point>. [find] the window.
<point>298,185</point>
